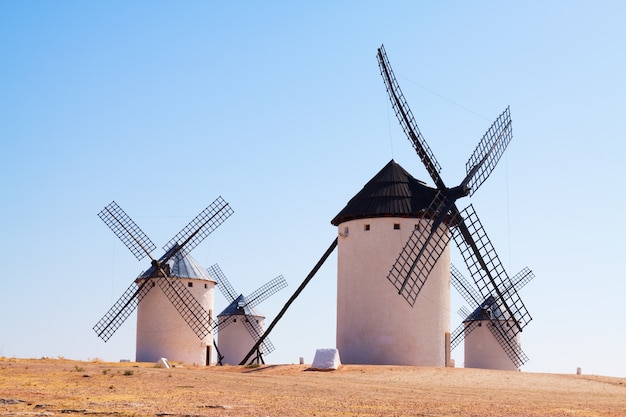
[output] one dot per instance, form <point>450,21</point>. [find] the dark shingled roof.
<point>488,310</point>
<point>238,307</point>
<point>393,192</point>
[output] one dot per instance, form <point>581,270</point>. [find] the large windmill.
<point>488,344</point>
<point>392,209</point>
<point>426,245</point>
<point>173,317</point>
<point>239,325</point>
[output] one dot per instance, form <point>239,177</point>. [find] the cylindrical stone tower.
<point>482,348</point>
<point>376,325</point>
<point>161,330</point>
<point>235,339</point>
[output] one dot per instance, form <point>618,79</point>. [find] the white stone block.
<point>326,360</point>
<point>163,363</point>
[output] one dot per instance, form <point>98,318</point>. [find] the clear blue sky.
<point>279,107</point>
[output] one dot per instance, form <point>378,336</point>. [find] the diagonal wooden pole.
<point>295,295</point>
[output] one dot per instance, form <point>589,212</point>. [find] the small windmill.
<point>481,351</point>
<point>239,325</point>
<point>420,254</point>
<point>194,310</point>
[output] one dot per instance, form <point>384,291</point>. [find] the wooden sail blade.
<point>222,283</point>
<point>488,152</point>
<point>200,227</point>
<point>121,310</point>
<point>127,230</point>
<point>190,309</point>
<point>406,119</point>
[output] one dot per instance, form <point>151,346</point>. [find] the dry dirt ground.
<point>46,387</point>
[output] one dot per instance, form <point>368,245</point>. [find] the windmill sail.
<point>471,238</point>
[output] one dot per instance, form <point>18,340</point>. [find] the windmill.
<point>422,251</point>
<point>394,208</point>
<point>374,325</point>
<point>187,304</point>
<point>239,325</point>
<point>493,348</point>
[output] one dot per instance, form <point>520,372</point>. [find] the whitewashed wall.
<point>482,349</point>
<point>162,332</point>
<point>376,325</point>
<point>234,341</point>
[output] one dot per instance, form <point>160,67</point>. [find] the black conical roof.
<point>488,310</point>
<point>393,192</point>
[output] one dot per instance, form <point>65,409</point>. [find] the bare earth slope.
<point>44,387</point>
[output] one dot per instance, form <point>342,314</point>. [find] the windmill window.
<point>418,227</point>
<point>367,227</point>
<point>206,286</point>
<point>153,283</point>
<point>396,226</point>
<point>190,284</point>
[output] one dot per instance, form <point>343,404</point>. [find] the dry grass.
<point>43,387</point>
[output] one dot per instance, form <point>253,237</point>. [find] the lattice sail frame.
<point>497,281</point>
<point>194,314</point>
<point>201,226</point>
<point>490,149</point>
<point>405,116</point>
<point>121,310</point>
<point>421,252</point>
<point>127,230</point>
<point>223,284</point>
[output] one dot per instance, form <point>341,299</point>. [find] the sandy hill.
<point>45,387</point>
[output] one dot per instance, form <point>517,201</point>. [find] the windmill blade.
<point>463,312</point>
<point>505,335</point>
<point>488,152</point>
<point>513,351</point>
<point>256,332</point>
<point>198,319</point>
<point>265,291</point>
<point>251,326</point>
<point>421,252</point>
<point>126,230</point>
<point>406,119</point>
<point>471,296</point>
<point>222,322</point>
<point>469,293</point>
<point>223,284</point>
<point>462,285</point>
<point>457,336</point>
<point>486,269</point>
<point>121,310</point>
<point>460,332</point>
<point>522,278</point>
<point>200,227</point>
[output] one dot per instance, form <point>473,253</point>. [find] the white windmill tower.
<point>175,296</point>
<point>161,330</point>
<point>374,326</point>
<point>483,342</point>
<point>240,326</point>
